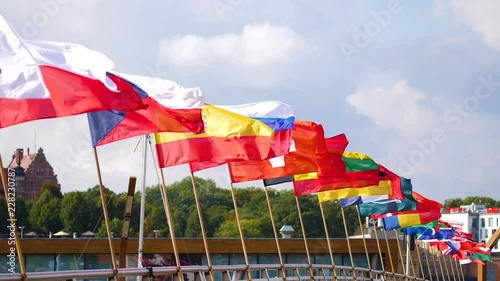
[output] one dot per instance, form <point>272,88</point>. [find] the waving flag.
<point>427,211</point>
<point>170,108</point>
<point>40,80</point>
<point>363,177</point>
<point>231,134</point>
<point>388,205</point>
<point>308,153</point>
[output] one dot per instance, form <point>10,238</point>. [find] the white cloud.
<point>482,17</point>
<point>449,142</point>
<point>258,46</point>
<point>398,107</point>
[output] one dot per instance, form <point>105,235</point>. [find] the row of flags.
<point>257,141</point>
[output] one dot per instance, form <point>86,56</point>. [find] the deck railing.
<point>259,272</point>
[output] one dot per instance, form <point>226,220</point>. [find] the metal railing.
<point>260,272</point>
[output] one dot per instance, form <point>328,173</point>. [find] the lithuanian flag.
<point>362,178</point>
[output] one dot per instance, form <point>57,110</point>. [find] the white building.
<point>482,222</point>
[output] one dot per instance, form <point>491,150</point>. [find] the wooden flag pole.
<point>417,247</point>
<point>105,212</point>
<point>328,240</point>
<point>410,257</point>
<point>405,273</point>
<point>348,243</point>
<point>242,237</point>
<point>436,263</point>
<point>426,260</point>
<point>282,264</point>
<point>364,243</point>
<point>380,251</point>
<point>171,225</point>
<point>9,187</point>
<point>462,272</point>
<point>202,225</point>
<point>127,214</point>
<point>452,269</point>
<point>440,265</point>
<point>304,235</point>
<point>390,256</point>
<point>446,267</point>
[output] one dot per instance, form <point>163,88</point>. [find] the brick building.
<point>32,171</point>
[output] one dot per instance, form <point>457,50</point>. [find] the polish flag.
<point>40,80</point>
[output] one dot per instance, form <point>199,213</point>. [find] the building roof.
<point>26,160</point>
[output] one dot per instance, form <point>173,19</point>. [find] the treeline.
<point>478,200</point>
<point>80,211</point>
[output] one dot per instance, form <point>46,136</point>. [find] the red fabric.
<point>70,94</point>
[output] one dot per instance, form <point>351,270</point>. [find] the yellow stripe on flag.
<point>383,188</point>
<point>223,124</point>
<point>306,176</point>
<point>356,155</point>
<point>408,220</point>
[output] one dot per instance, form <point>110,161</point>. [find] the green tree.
<point>479,200</point>
<point>115,226</point>
<point>45,213</point>
<point>75,213</point>
<point>229,229</point>
<point>453,203</point>
<point>22,212</point>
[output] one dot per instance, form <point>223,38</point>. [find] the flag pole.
<point>143,204</point>
<point>202,225</point>
<point>389,251</point>
<point>379,251</point>
<point>11,210</point>
<point>440,264</point>
<point>361,228</point>
<point>105,212</point>
<point>401,255</point>
<point>429,248</point>
<point>420,259</point>
<point>408,256</point>
<point>452,268</point>
<point>348,243</point>
<point>171,226</point>
<point>426,260</point>
<point>282,264</point>
<point>328,239</point>
<point>446,267</point>
<point>462,271</point>
<point>304,235</point>
<point>233,195</point>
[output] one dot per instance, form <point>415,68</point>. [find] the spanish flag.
<point>230,136</point>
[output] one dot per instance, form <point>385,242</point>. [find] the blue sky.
<point>414,94</point>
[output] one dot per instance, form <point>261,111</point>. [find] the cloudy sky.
<point>414,84</point>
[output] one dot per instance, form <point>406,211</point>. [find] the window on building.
<point>31,183</point>
<point>474,222</point>
<point>492,231</point>
<point>39,173</point>
<point>483,222</point>
<point>490,222</point>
